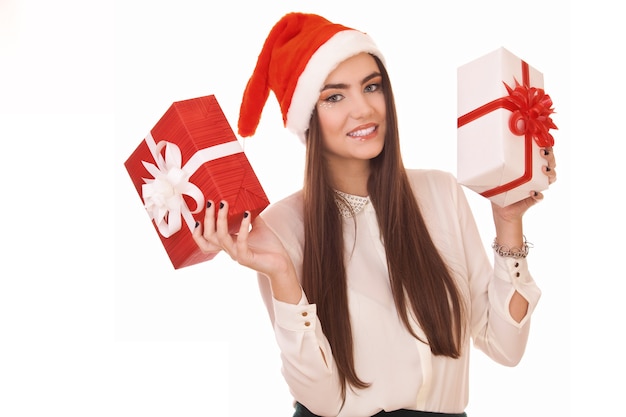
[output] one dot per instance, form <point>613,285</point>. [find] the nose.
<point>361,107</point>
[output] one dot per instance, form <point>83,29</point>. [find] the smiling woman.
<point>374,276</point>
<point>352,118</point>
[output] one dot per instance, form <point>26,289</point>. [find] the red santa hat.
<point>297,56</point>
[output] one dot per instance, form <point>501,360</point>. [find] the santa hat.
<point>297,56</point>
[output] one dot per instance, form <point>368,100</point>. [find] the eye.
<point>370,88</point>
<point>334,98</point>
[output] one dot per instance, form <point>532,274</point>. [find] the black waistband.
<point>302,411</point>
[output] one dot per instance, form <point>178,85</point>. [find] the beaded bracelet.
<point>511,252</point>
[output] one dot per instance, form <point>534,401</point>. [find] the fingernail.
<point>208,204</point>
<point>245,214</point>
<point>197,224</point>
<point>221,204</point>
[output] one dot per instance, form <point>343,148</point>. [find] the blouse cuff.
<point>513,272</point>
<point>295,317</point>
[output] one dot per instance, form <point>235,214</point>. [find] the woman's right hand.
<point>255,246</point>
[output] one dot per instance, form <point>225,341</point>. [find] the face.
<point>351,111</point>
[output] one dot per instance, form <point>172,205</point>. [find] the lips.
<point>363,132</point>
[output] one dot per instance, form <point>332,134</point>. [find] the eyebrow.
<point>343,85</point>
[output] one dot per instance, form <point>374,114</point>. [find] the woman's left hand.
<point>514,212</point>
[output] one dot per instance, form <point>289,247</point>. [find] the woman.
<point>374,276</point>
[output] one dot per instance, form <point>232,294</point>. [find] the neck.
<point>351,179</point>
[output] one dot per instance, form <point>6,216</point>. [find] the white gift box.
<point>497,157</point>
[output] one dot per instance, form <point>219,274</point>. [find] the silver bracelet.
<point>512,252</point>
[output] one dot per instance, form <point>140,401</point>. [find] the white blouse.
<point>402,371</point>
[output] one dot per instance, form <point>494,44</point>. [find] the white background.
<point>93,318</point>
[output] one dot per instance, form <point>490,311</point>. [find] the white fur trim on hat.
<point>337,49</point>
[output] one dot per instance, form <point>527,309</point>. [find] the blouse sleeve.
<point>493,329</point>
<point>307,362</point>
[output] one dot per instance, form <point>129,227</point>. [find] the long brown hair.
<point>419,278</point>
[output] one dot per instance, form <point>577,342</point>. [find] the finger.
<point>242,236</point>
<point>221,229</point>
<point>536,195</point>
<point>244,228</point>
<point>205,245</point>
<point>550,172</point>
<point>197,236</point>
<point>533,198</point>
<point>209,220</point>
<point>548,154</point>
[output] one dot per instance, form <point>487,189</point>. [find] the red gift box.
<point>190,156</point>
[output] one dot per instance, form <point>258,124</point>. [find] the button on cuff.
<point>512,270</point>
<point>295,317</point>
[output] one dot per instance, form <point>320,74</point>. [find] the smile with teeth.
<point>362,132</point>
